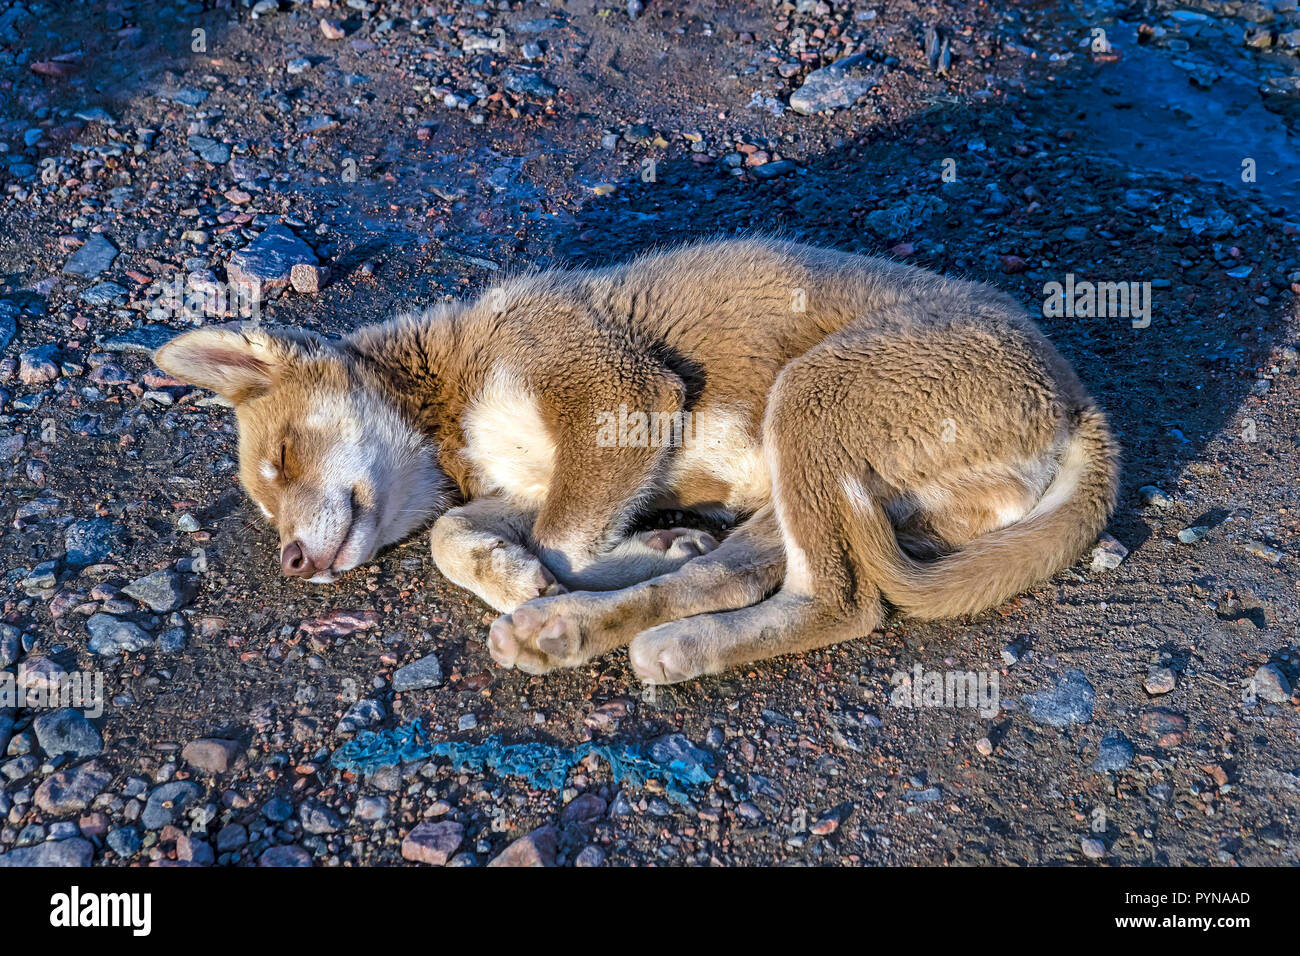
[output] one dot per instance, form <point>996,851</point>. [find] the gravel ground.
<point>396,153</point>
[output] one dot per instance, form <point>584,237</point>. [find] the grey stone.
<point>146,338</point>
<point>536,849</point>
<point>317,818</point>
<point>167,803</point>
<point>91,541</point>
<point>231,837</point>
<point>1108,554</point>
<point>74,852</point>
<point>71,790</point>
<point>836,86</point>
<point>364,713</point>
<point>772,170</point>
<point>95,256</point>
<point>904,217</point>
<point>266,264</point>
<point>419,675</point>
<point>210,150</point>
<point>163,591</point>
<point>277,809</point>
<point>433,843</point>
<point>1067,701</point>
<point>102,293</point>
<point>110,635</point>
<point>284,856</point>
<point>1114,752</point>
<point>529,84</point>
<point>172,640</point>
<point>125,841</point>
<point>187,97</point>
<point>67,731</point>
<point>1270,685</point>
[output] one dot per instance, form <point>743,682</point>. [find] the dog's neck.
<point>420,362</point>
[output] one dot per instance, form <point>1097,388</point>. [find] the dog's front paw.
<point>669,654</point>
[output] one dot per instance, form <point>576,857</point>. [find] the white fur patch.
<point>507,441</point>
<point>268,471</point>
<point>724,447</point>
<point>266,511</point>
<point>798,576</point>
<point>856,492</point>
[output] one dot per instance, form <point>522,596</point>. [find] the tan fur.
<point>884,434</point>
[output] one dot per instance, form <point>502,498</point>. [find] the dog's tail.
<point>1066,520</point>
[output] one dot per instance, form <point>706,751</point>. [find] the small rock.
<point>110,636</point>
<point>72,852</point>
<point>125,841</point>
<point>536,849</point>
<point>364,713</point>
<point>265,265</point>
<point>529,84</point>
<point>836,86</point>
<point>39,365</point>
<point>590,856</point>
<point>216,153</point>
<point>163,591</point>
<point>71,791</point>
<point>1115,752</point>
<point>212,754</point>
<point>91,541</point>
<point>1108,554</point>
<point>306,278</point>
<point>420,675</point>
<point>584,808</point>
<point>1092,849</point>
<point>67,731</point>
<point>433,843</point>
<point>291,855</point>
<point>1154,497</point>
<point>96,255</point>
<point>1068,701</point>
<point>1193,534</point>
<point>317,818</point>
<point>1270,685</point>
<point>167,803</point>
<point>1160,680</point>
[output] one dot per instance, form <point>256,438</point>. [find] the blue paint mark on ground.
<point>674,761</point>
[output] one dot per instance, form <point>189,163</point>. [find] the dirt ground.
<point>1147,712</point>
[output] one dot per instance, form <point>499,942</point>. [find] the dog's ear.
<point>238,364</point>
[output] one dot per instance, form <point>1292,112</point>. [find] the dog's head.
<point>323,452</point>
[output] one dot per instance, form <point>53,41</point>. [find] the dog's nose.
<point>293,561</point>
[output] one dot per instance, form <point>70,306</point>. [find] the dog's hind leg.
<point>811,442</point>
<point>570,629</point>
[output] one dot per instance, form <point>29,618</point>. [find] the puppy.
<point>882,434</point>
